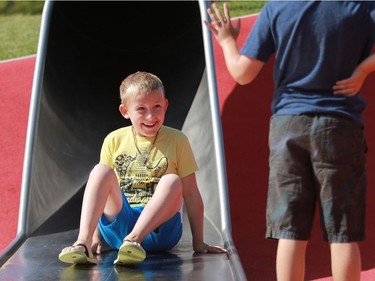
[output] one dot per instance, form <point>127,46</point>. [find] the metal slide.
<point>85,50</point>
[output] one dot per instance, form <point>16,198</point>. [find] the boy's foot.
<point>130,253</point>
<point>77,255</point>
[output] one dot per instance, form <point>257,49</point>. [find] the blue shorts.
<point>316,161</point>
<point>164,238</point>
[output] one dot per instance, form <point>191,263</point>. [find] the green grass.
<point>21,7</point>
<point>19,35</point>
<point>20,24</point>
<point>242,8</point>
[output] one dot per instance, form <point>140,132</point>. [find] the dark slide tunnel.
<point>91,48</point>
<point>86,48</point>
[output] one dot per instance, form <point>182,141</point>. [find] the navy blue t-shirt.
<point>316,44</point>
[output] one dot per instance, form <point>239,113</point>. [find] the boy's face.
<point>146,112</point>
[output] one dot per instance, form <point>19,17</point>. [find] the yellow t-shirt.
<point>140,162</point>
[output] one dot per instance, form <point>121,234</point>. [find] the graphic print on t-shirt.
<point>138,181</point>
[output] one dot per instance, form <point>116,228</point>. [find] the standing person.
<point>316,137</point>
<point>134,196</point>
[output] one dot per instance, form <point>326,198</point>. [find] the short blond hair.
<point>140,83</point>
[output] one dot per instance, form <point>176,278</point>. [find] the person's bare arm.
<point>353,84</point>
<point>242,69</point>
<point>195,211</point>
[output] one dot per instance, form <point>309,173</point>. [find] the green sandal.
<point>130,254</point>
<point>77,256</point>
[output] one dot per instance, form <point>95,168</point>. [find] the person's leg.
<point>345,261</point>
<point>164,204</point>
<point>291,197</point>
<point>102,195</point>
<point>290,260</point>
<point>340,166</point>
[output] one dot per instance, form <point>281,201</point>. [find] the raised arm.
<point>242,69</point>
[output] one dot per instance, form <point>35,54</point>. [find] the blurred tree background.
<point>21,7</point>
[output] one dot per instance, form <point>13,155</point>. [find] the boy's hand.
<point>351,85</point>
<point>221,25</point>
<point>96,246</point>
<point>205,248</point>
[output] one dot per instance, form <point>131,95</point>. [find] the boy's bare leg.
<point>102,195</point>
<point>290,260</point>
<point>346,261</point>
<point>165,203</point>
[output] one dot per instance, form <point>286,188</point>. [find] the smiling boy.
<point>134,196</point>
